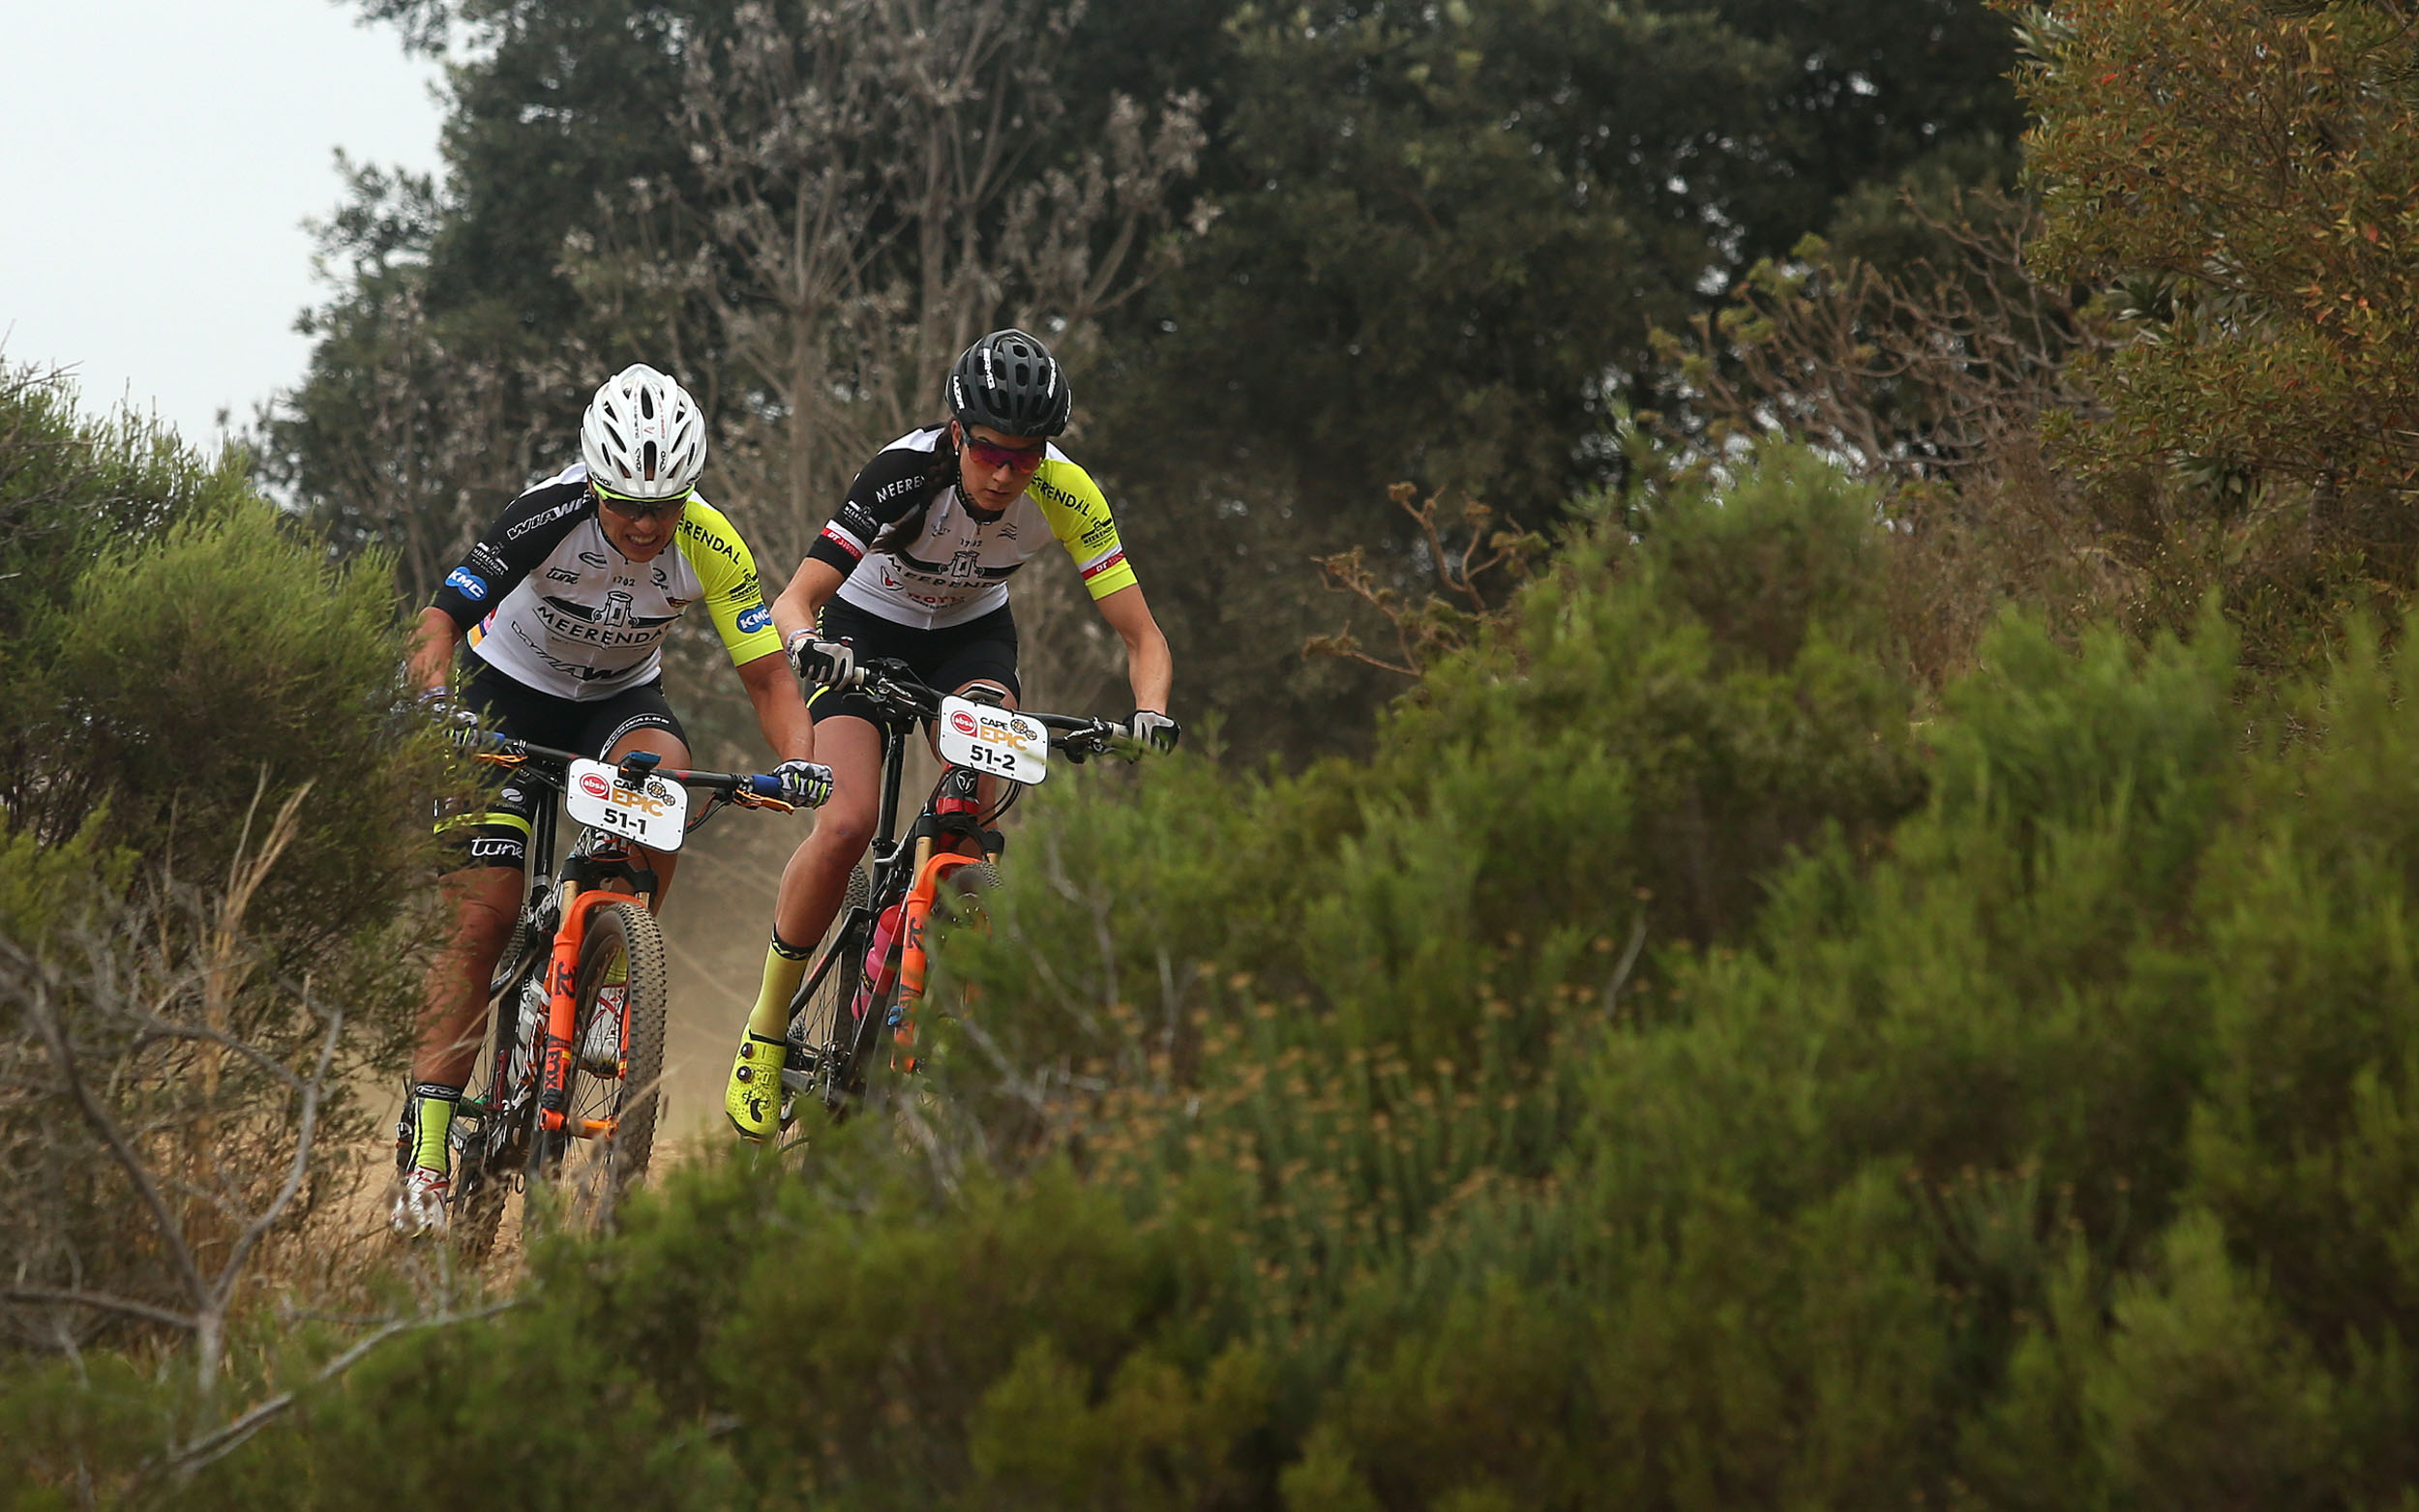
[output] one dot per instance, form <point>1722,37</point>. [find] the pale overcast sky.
<point>160,156</point>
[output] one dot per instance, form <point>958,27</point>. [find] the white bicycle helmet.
<point>643,437</point>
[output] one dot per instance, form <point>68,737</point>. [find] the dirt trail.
<point>715,926</point>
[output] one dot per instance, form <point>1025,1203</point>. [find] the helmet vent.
<point>642,435</point>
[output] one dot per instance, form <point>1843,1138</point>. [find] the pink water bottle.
<point>878,967</point>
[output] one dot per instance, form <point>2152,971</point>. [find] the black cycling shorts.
<point>500,836</point>
<point>981,649</point>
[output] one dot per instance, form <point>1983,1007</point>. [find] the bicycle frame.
<point>909,875</point>
<point>910,872</point>
<point>568,899</point>
<point>557,907</point>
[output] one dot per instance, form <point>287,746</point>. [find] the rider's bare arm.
<point>432,643</point>
<point>810,588</point>
<point>780,709</point>
<point>1148,668</point>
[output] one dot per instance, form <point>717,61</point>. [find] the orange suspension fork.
<point>562,972</point>
<point>912,918</point>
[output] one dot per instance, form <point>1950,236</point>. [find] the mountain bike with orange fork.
<point>565,1094</point>
<point>870,974</point>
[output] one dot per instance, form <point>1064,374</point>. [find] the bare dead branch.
<point>40,1011</point>
<point>100,1301</point>
<point>200,1452</point>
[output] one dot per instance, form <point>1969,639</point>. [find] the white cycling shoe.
<point>420,1204</point>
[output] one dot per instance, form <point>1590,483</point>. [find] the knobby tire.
<point>847,1081</point>
<point>589,1176</point>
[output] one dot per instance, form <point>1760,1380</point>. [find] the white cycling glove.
<point>1154,729</point>
<point>829,664</point>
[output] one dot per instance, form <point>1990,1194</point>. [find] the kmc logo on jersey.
<point>470,585</point>
<point>752,620</point>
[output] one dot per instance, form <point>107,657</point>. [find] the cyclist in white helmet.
<point>564,603</point>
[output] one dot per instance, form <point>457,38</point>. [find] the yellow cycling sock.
<point>427,1117</point>
<point>785,964</point>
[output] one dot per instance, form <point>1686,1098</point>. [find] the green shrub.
<point>214,863</point>
<point>2028,1128</point>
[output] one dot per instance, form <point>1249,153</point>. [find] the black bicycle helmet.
<point>1009,381</point>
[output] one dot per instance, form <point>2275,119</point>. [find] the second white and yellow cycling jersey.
<point>948,566</point>
<point>546,600</point>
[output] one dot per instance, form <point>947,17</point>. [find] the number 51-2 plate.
<point>655,815</point>
<point>999,741</point>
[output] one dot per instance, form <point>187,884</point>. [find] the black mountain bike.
<point>867,979</point>
<point>565,1093</point>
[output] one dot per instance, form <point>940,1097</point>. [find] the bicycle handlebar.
<point>739,787</point>
<point>896,692</point>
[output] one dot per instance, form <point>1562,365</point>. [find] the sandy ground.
<point>715,926</point>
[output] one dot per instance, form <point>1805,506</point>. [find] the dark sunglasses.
<point>991,455</point>
<point>635,510</point>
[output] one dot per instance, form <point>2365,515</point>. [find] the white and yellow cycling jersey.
<point>948,566</point>
<point>545,598</point>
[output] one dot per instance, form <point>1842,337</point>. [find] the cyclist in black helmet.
<point>915,565</point>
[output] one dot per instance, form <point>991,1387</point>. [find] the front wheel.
<point>619,994</point>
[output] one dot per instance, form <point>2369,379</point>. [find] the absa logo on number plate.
<point>593,785</point>
<point>962,721</point>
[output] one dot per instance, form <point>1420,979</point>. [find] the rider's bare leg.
<point>817,876</point>
<point>812,886</point>
<point>483,901</point>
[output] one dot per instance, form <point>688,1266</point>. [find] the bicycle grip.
<point>765,786</point>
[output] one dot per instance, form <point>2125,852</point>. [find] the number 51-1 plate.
<point>656,816</point>
<point>999,741</point>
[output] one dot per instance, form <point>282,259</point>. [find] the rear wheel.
<point>486,1159</point>
<point>619,997</point>
<point>823,994</point>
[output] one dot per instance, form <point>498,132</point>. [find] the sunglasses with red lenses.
<point>991,455</point>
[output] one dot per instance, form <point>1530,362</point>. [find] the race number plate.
<point>656,816</point>
<point>999,741</point>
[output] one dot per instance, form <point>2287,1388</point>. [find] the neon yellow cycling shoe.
<point>751,1102</point>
